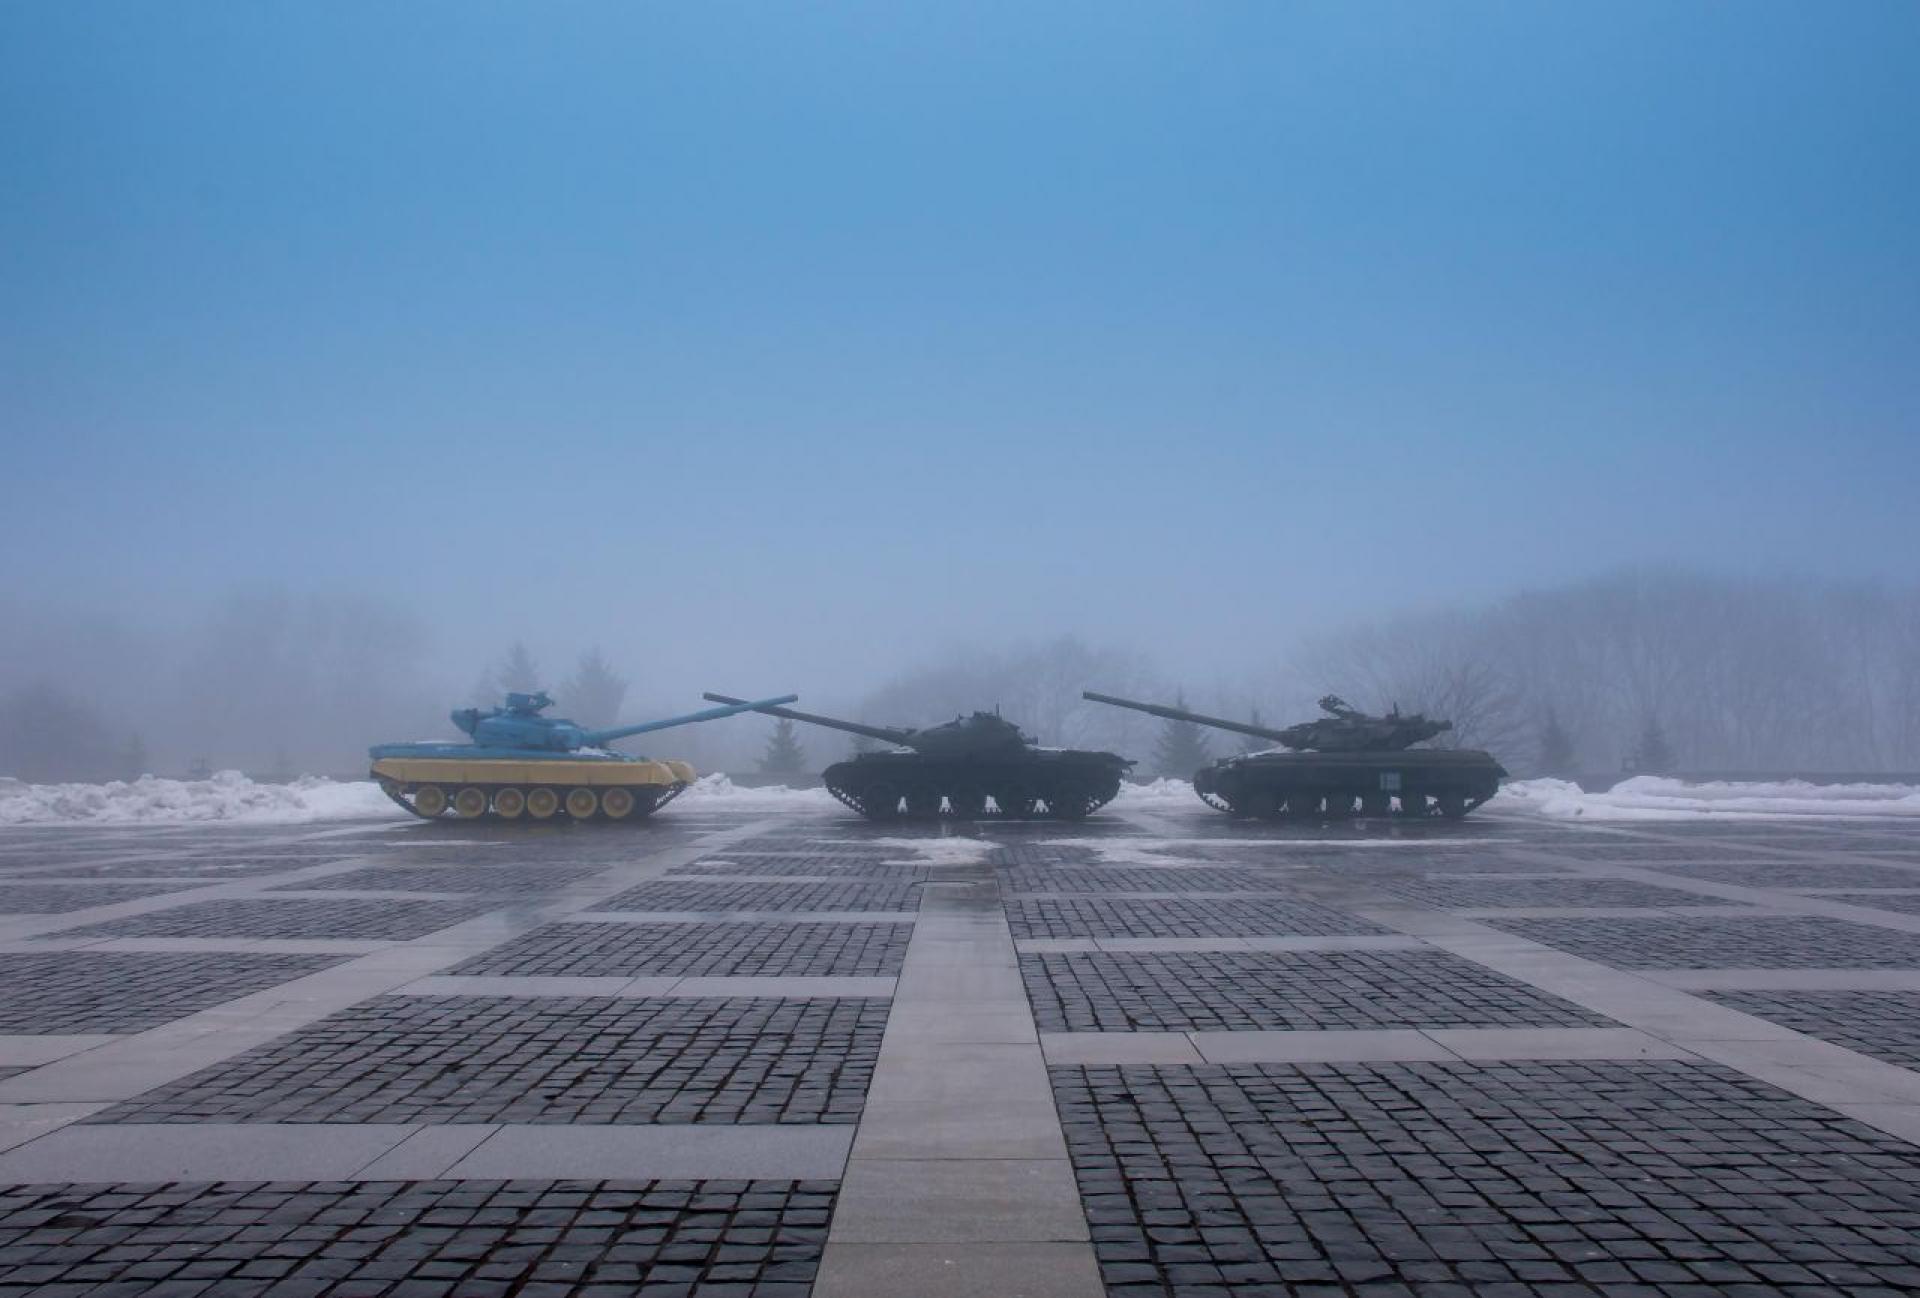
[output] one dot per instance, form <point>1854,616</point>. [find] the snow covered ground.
<point>1653,797</point>
<point>230,797</point>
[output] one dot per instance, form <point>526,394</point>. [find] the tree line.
<point>1648,669</point>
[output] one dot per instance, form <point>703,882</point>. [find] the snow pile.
<point>227,796</point>
<point>722,792</point>
<point>1155,793</point>
<point>1653,797</point>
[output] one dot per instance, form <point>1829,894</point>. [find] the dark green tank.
<point>957,768</point>
<point>1352,763</point>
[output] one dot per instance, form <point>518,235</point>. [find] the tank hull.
<point>1404,783</point>
<point>1058,785</point>
<point>470,786</point>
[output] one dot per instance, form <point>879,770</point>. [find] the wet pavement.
<point>1157,1053</point>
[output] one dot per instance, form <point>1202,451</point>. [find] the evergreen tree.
<point>1182,747</point>
<point>516,673</point>
<point>1652,754</point>
<point>1556,748</point>
<point>133,758</point>
<point>593,694</point>
<point>784,755</point>
<point>48,735</point>
<point>1254,743</point>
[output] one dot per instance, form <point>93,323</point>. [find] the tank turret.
<point>1345,760</point>
<point>956,767</point>
<point>523,763</point>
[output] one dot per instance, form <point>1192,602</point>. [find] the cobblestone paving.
<point>87,991</point>
<point>1477,894</point>
<point>1175,917</point>
<point>1478,865</point>
<point>675,894</point>
<point>1764,942</point>
<point>1460,1181</point>
<point>449,1059</point>
<point>348,918</point>
<point>1906,903</point>
<point>175,868</point>
<point>1634,853</point>
<point>420,1239</point>
<point>1796,874</point>
<point>853,867</point>
<point>1096,879</point>
<point>52,899</point>
<point>1885,1025</point>
<point>495,879</point>
<point>758,950</point>
<point>1099,991</point>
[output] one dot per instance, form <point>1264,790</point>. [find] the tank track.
<point>911,788</point>
<point>646,801</point>
<point>1400,784</point>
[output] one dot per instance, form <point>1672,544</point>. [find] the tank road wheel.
<point>923,802</point>
<point>1069,804</point>
<point>1303,804</point>
<point>881,801</point>
<point>542,803</point>
<point>1255,804</point>
<point>1413,802</point>
<point>430,800</point>
<point>967,803</point>
<point>509,803</point>
<point>470,803</point>
<point>1339,804</point>
<point>617,803</point>
<point>582,803</point>
<point>1452,805</point>
<point>1375,806</point>
<point>1014,804</point>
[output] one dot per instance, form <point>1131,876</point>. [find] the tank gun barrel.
<point>595,738</point>
<point>1181,714</point>
<point>884,734</point>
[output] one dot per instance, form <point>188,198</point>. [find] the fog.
<point>1549,370</point>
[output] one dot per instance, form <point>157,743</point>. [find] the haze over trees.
<point>1730,674</point>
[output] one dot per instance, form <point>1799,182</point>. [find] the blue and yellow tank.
<point>521,763</point>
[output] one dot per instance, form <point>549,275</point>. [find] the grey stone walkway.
<point>1158,1053</point>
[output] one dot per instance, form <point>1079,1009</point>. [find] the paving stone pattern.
<point>1098,991</point>
<point>349,918</point>
<point>88,991</point>
<point>1044,917</point>
<point>810,865</point>
<point>453,1059</point>
<point>1625,853</point>
<point>1488,894</point>
<point>1885,1025</point>
<point>677,894</point>
<point>1096,879</point>
<point>593,950</point>
<point>1797,874</point>
<point>54,898</point>
<point>1907,903</point>
<point>1437,1180</point>
<point>494,879</point>
<point>1764,942</point>
<point>421,1239</point>
<point>177,868</point>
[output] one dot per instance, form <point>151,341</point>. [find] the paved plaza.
<point>759,1055</point>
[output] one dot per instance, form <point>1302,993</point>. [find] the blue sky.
<point>831,332</point>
